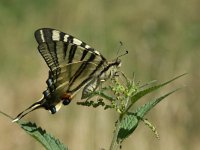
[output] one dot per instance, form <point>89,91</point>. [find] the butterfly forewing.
<point>68,58</point>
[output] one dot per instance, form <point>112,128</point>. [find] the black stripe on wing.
<point>94,73</point>
<point>81,69</point>
<point>51,37</point>
<point>72,52</point>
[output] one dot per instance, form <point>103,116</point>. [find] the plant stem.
<point>115,144</point>
<point>1,112</point>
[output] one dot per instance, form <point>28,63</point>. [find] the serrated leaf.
<point>141,111</point>
<point>130,122</point>
<point>144,92</point>
<point>47,140</point>
<point>127,126</point>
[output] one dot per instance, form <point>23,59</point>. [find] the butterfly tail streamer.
<point>31,108</point>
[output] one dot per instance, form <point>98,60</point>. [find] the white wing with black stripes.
<point>73,64</point>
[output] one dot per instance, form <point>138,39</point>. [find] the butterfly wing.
<point>72,63</point>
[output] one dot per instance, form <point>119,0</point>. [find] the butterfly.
<point>73,65</point>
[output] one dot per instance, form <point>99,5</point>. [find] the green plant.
<point>121,95</point>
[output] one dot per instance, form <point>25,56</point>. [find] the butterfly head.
<point>118,63</point>
<point>114,66</point>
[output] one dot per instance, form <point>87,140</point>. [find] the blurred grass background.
<point>163,40</point>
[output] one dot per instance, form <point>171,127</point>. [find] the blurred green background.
<point>163,40</point>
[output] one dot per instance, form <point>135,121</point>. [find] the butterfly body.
<point>72,65</point>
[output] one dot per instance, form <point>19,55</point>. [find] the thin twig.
<point>6,115</point>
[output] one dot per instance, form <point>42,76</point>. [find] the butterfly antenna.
<point>122,54</point>
<point>119,47</point>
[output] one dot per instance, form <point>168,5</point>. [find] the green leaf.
<point>148,84</point>
<point>47,140</point>
<point>142,111</point>
<point>127,126</point>
<point>144,92</point>
<point>130,121</point>
<point>92,103</point>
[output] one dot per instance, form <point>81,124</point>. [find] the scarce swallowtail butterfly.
<point>72,65</point>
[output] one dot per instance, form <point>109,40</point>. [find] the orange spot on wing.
<point>66,96</point>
